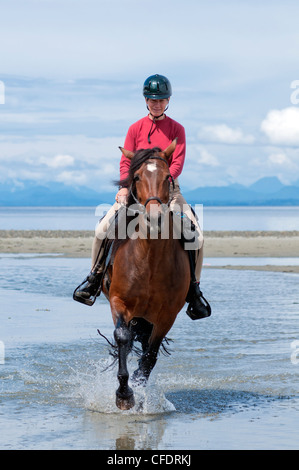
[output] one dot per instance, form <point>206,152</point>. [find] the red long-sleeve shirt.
<point>162,134</point>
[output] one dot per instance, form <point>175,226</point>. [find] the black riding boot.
<point>90,288</point>
<point>198,306</point>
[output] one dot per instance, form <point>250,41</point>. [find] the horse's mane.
<point>137,160</point>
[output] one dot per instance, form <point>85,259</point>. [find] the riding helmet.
<point>157,87</point>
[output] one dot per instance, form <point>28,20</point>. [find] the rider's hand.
<point>122,195</point>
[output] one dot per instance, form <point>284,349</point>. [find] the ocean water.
<point>231,381</point>
<point>211,218</point>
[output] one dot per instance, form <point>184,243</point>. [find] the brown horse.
<point>150,276</point>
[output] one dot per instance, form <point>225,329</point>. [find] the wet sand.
<point>230,244</point>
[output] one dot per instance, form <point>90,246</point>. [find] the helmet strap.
<point>154,120</point>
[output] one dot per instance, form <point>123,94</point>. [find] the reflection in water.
<point>124,433</point>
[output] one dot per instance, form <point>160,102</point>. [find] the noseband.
<point>154,198</point>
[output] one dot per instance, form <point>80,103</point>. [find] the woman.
<point>154,130</point>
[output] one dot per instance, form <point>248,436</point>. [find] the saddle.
<point>109,248</point>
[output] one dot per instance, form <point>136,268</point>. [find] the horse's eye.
<point>136,178</point>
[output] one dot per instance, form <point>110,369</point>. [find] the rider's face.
<point>157,107</point>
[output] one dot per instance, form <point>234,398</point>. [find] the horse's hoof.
<point>125,402</point>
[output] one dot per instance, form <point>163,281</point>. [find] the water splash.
<point>96,388</point>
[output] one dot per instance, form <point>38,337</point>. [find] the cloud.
<point>275,161</point>
<point>282,126</point>
<point>70,159</point>
<point>23,118</point>
<point>279,159</point>
<point>59,161</point>
<point>72,178</point>
<point>225,134</point>
<point>206,158</point>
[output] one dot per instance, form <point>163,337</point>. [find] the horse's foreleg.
<point>124,394</point>
<point>146,363</point>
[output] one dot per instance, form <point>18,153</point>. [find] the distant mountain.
<point>54,194</point>
<point>266,191</point>
<point>267,185</point>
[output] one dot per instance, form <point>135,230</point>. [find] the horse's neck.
<point>163,244</point>
<point>157,245</point>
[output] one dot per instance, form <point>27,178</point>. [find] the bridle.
<point>154,198</point>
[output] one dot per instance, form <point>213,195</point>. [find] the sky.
<point>71,76</point>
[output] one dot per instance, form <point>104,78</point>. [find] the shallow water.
<point>231,381</point>
<point>211,218</point>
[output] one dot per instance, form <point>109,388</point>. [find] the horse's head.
<point>149,181</point>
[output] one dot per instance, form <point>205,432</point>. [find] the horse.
<point>150,275</point>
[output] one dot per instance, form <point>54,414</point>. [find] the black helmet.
<point>157,87</point>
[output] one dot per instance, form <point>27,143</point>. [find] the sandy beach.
<point>220,244</point>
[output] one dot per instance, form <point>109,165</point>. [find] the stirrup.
<point>203,312</point>
<point>93,297</point>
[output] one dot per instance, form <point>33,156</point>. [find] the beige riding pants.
<point>178,205</point>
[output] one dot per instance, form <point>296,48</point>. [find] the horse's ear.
<point>126,153</point>
<point>170,149</point>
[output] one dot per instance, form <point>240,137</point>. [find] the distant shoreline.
<point>32,233</point>
<point>218,244</point>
